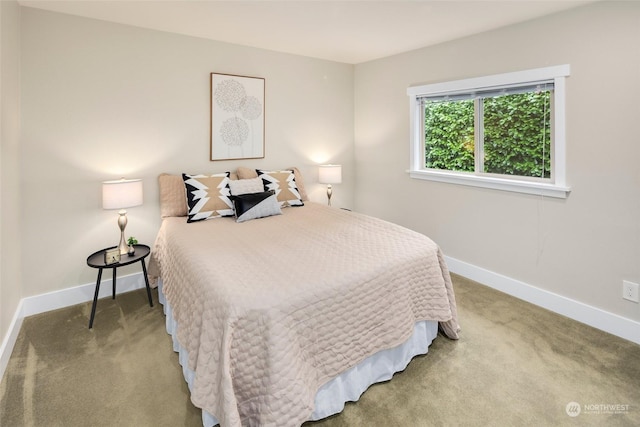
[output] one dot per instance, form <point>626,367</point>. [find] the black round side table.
<point>96,260</point>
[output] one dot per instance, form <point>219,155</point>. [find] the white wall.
<point>582,247</point>
<point>10,283</point>
<point>102,100</point>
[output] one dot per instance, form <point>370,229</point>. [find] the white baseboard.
<point>583,313</point>
<point>10,338</point>
<point>79,294</point>
<point>37,304</point>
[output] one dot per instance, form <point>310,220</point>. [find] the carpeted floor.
<point>515,365</point>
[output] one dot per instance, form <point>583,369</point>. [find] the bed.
<point>283,318</point>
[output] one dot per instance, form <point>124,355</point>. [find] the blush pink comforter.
<point>271,309</point>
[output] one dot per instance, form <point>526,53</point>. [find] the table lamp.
<point>120,194</point>
<point>330,174</point>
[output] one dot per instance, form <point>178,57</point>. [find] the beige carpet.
<point>514,365</point>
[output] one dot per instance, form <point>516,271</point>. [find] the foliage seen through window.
<point>514,134</point>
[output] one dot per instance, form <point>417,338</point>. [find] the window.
<point>504,131</point>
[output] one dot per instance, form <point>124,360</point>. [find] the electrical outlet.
<point>630,291</point>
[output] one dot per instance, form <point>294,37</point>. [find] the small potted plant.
<point>132,241</point>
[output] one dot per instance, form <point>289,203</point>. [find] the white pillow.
<point>246,186</point>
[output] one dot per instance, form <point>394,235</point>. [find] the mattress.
<point>272,309</point>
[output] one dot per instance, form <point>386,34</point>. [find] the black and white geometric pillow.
<point>255,205</point>
<point>283,182</point>
<point>208,196</point>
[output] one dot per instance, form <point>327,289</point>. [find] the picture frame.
<point>112,256</point>
<point>237,117</point>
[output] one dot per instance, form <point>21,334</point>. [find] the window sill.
<point>526,187</point>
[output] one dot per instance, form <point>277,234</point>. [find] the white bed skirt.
<point>346,387</point>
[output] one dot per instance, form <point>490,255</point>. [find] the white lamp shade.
<point>120,194</point>
<point>330,174</point>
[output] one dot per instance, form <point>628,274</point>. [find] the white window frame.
<point>556,187</point>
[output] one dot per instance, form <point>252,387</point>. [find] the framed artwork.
<point>237,117</point>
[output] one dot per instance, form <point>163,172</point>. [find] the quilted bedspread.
<point>271,309</point>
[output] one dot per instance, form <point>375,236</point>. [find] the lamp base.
<point>122,223</point>
<point>329,192</point>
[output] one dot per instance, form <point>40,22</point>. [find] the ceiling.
<point>351,31</point>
